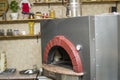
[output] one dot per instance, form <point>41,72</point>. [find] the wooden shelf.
<point>19,37</point>
<point>100,1</point>
<point>22,21</point>
<point>45,3</point>
<point>89,1</point>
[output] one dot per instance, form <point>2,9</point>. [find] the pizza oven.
<point>88,46</point>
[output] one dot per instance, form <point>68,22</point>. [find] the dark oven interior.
<point>59,56</point>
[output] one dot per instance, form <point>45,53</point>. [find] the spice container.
<point>2,33</point>
<point>16,32</point>
<point>9,32</point>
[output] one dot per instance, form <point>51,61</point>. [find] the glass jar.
<point>52,13</point>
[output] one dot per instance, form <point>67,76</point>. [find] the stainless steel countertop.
<point>16,75</point>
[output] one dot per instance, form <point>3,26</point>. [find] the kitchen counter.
<point>17,76</point>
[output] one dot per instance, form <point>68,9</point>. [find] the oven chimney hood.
<point>73,8</point>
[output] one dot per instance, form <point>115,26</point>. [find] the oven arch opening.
<point>59,56</point>
<point>66,45</point>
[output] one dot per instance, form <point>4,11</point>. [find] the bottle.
<point>3,61</point>
<point>4,16</point>
<point>2,32</point>
<point>31,28</point>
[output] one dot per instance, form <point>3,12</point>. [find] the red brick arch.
<point>70,49</point>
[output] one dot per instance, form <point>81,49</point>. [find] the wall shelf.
<point>22,21</point>
<point>107,1</point>
<point>45,3</point>
<point>87,1</point>
<point>19,37</point>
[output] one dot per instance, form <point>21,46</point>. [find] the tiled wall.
<point>24,53</point>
